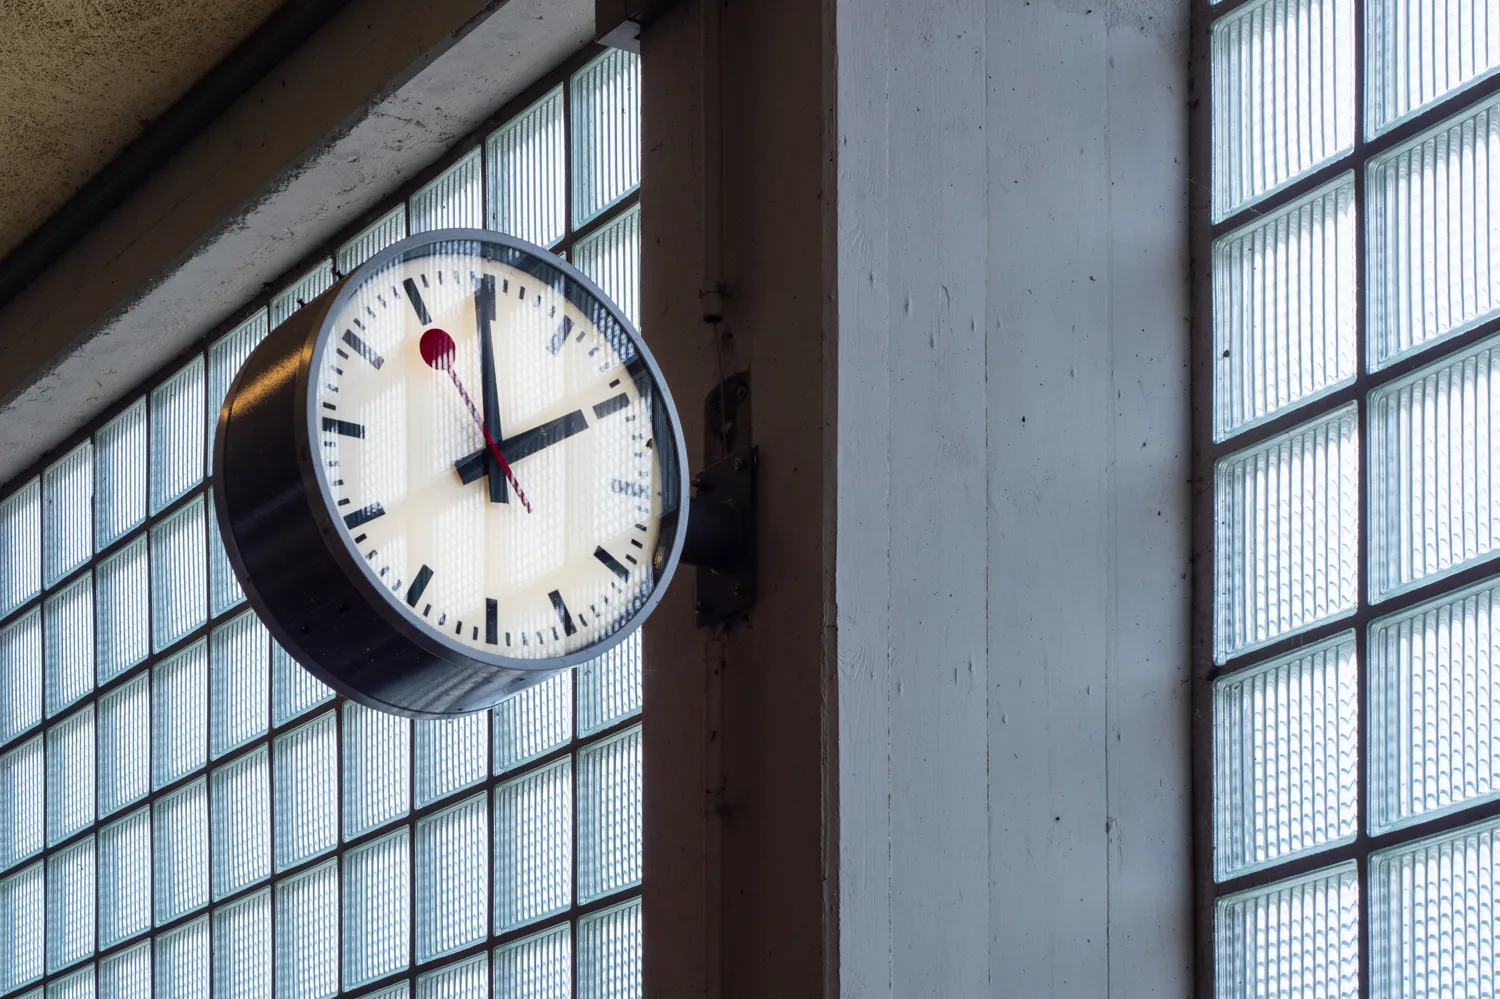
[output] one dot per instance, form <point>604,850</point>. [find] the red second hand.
<point>439,352</point>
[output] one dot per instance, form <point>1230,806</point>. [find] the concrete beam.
<point>380,91</point>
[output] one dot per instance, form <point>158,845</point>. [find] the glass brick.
<point>606,96</point>
<point>224,590</point>
<point>612,258</point>
<point>226,356</point>
<point>1290,939</point>
<point>126,974</point>
<point>1283,95</point>
<point>179,587</point>
<point>70,775</point>
<point>23,900</point>
<point>1284,303</point>
<point>452,850</point>
<point>467,979</point>
<point>182,962</point>
<point>70,905</point>
<point>180,822</point>
<point>527,163</point>
<point>125,878</point>
<point>609,815</point>
<point>68,513</point>
<point>389,228</point>
<point>176,448</point>
<point>124,745</point>
<point>451,754</point>
<point>316,280</point>
<point>306,791</point>
<point>179,714</point>
<point>533,722</point>
<point>20,546</point>
<point>242,948</point>
<point>377,906</point>
<point>398,991</point>
<point>533,846</point>
<point>536,967</point>
<point>21,674</point>
<point>22,772</point>
<point>452,200</point>
<point>1285,756</point>
<point>1431,272</point>
<point>239,682</point>
<point>78,985</point>
<point>241,799</point>
<point>120,475</point>
<point>1432,461</point>
<point>1287,528</point>
<point>294,691</point>
<point>609,687</point>
<point>307,934</point>
<point>1435,707</point>
<point>1419,51</point>
<point>70,643</point>
<point>1434,906</point>
<point>123,598</point>
<point>609,953</point>
<point>377,770</point>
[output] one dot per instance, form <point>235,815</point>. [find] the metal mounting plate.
<point>724,507</point>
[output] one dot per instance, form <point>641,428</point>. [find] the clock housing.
<point>344,608</point>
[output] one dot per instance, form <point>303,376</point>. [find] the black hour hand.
<point>524,444</point>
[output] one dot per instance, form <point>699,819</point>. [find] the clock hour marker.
<point>562,613</point>
<point>561,336</point>
<point>611,563</point>
<point>363,349</point>
<point>347,429</point>
<point>603,409</point>
<point>363,515</point>
<point>629,488</point>
<point>417,304</point>
<point>418,585</point>
<point>492,623</point>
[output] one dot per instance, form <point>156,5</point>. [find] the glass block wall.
<point>1351,435</point>
<point>185,812</point>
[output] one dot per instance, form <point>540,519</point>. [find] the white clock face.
<point>534,541</point>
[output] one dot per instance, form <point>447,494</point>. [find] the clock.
<point>452,475</point>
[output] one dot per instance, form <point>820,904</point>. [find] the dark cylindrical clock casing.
<point>294,569</point>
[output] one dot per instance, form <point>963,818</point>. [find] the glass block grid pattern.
<point>1350,357</point>
<point>183,808</point>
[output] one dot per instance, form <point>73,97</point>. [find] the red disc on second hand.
<point>438,349</point>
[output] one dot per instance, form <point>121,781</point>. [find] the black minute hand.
<point>484,315</point>
<point>528,442</point>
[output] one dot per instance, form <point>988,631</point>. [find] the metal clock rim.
<point>344,551</point>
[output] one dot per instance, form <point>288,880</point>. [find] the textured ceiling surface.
<point>80,78</point>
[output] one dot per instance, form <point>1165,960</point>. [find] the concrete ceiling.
<point>79,79</point>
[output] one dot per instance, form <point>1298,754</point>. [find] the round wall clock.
<point>452,475</point>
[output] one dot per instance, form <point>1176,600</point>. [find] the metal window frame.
<point>1207,452</point>
<point>561,75</point>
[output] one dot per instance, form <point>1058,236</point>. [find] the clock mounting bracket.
<point>720,539</point>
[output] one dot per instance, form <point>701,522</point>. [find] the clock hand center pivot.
<point>439,352</point>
